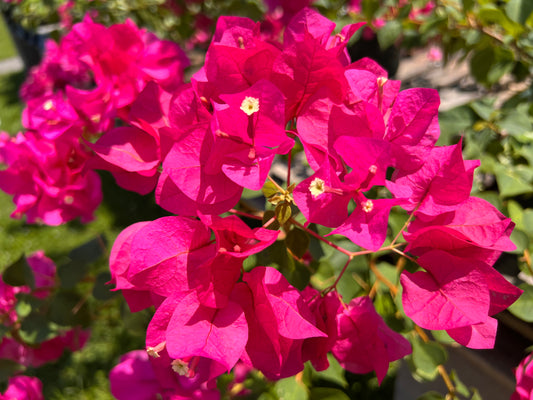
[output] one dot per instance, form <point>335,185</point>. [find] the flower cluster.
<point>370,147</point>
<point>85,83</point>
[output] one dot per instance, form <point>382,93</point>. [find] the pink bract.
<point>524,379</point>
<point>23,387</point>
<point>365,343</point>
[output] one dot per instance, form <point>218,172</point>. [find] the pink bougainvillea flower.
<point>137,376</point>
<point>51,116</point>
<point>413,129</point>
<point>94,106</point>
<point>163,250</point>
<point>367,225</point>
<point>286,8</point>
<point>325,310</point>
<point>8,301</point>
<point>452,294</point>
<point>250,129</point>
<point>23,387</point>
<point>475,220</point>
<point>364,342</point>
<point>59,67</point>
<point>307,64</point>
<point>198,331</point>
<point>440,185</point>
<point>119,263</point>
<point>44,273</point>
<point>475,230</point>
<point>524,379</point>
<point>323,198</point>
<point>134,376</point>
<point>278,321</point>
<point>369,82</point>
<point>48,179</point>
<point>47,351</point>
<point>215,278</point>
<point>237,239</point>
<point>204,342</point>
<point>457,295</point>
<point>235,60</point>
<point>133,156</point>
<point>189,165</point>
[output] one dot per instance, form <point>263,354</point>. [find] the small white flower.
<point>250,105</point>
<point>317,187</point>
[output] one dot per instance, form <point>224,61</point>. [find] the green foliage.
<point>426,358</point>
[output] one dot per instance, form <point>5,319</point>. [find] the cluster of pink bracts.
<point>113,99</point>
<point>83,85</point>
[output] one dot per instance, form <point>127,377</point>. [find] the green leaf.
<point>442,337</point>
<point>528,220</point>
<point>517,121</point>
<point>269,189</point>
<point>519,10</point>
<point>101,290</point>
<point>516,213</point>
<point>389,33</point>
<point>290,389</point>
<point>69,309</point>
<point>510,183</point>
<point>323,393</point>
<point>8,369</point>
<point>489,64</point>
<point>467,4</point>
<point>90,251</point>
<point>19,274</point>
<point>454,122</point>
<point>296,273</point>
<point>250,194</point>
<point>523,306</point>
<point>267,216</point>
<point>427,357</point>
<point>475,395</point>
<point>521,241</point>
<point>297,242</point>
<point>334,373</point>
<point>484,108</point>
<point>35,329</point>
<point>80,258</point>
<point>459,385</point>
<point>431,396</point>
<point>283,212</point>
<point>23,308</point>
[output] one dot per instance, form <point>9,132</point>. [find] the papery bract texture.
<point>364,342</point>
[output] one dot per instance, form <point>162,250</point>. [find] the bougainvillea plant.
<point>114,99</point>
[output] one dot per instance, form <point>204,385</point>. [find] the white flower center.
<point>48,105</point>
<point>317,187</point>
<point>250,105</point>
<point>367,206</point>
<point>180,367</point>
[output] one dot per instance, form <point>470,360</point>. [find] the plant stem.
<point>442,371</point>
